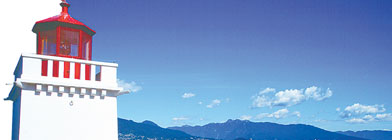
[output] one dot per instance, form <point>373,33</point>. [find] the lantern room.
<point>63,36</point>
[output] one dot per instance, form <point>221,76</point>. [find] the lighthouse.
<point>59,93</point>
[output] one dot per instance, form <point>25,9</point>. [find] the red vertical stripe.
<point>77,70</point>
<point>87,73</point>
<point>90,50</point>
<point>66,69</point>
<point>58,40</point>
<point>55,68</point>
<point>80,45</point>
<point>44,68</point>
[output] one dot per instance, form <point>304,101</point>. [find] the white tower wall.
<point>53,116</point>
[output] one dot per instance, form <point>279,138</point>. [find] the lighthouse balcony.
<point>52,71</point>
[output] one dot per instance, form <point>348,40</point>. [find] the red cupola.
<point>63,36</point>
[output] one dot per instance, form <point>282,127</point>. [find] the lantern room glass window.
<point>48,42</point>
<point>69,43</point>
<point>65,42</point>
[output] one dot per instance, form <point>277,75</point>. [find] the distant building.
<point>59,93</point>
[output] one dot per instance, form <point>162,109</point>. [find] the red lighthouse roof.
<point>64,19</point>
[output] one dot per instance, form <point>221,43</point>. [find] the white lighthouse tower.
<point>59,93</point>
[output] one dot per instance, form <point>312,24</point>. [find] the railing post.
<point>50,68</point>
<point>92,72</point>
<point>72,70</point>
<point>82,71</point>
<point>61,69</point>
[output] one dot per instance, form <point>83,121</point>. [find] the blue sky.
<point>226,52</point>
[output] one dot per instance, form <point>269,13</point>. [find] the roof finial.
<point>64,6</point>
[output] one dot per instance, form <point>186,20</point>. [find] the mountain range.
<point>147,130</point>
<point>373,135</point>
<point>235,129</point>
<point>239,130</point>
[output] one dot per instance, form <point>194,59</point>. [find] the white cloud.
<point>370,118</point>
<point>282,113</point>
<point>356,120</point>
<point>245,117</point>
<point>131,87</point>
<point>358,113</point>
<point>267,90</point>
<point>262,115</point>
<point>338,109</point>
<point>261,101</point>
<point>180,119</point>
<point>384,117</point>
<point>315,93</point>
<point>279,114</point>
<point>200,103</point>
<point>214,103</point>
<point>358,109</point>
<point>297,113</point>
<point>289,97</point>
<point>188,95</point>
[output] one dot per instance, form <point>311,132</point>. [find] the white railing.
<point>31,67</point>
